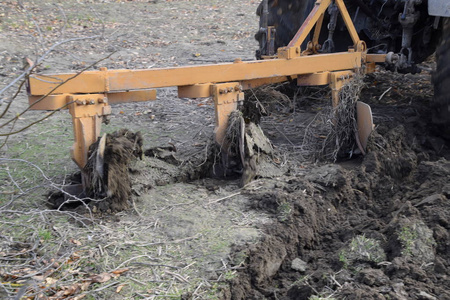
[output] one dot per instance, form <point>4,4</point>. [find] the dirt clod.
<point>299,265</point>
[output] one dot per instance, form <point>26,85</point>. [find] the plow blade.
<point>365,125</point>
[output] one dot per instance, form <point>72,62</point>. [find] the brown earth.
<point>373,227</point>
<point>365,227</point>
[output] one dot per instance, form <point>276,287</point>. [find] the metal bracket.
<point>226,97</point>
<point>87,115</point>
<point>337,81</point>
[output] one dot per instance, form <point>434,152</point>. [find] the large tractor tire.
<point>286,16</point>
<point>441,81</point>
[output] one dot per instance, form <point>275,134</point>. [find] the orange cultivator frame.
<point>88,95</point>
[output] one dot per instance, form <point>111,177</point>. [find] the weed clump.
<point>361,250</point>
<point>416,241</point>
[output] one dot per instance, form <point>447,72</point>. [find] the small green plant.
<point>229,275</point>
<point>214,291</point>
<point>301,280</point>
<point>343,258</point>
<point>28,24</point>
<point>407,236</point>
<point>284,210</point>
<point>45,235</point>
<point>219,246</point>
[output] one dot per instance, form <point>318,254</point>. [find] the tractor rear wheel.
<point>441,81</point>
<point>286,16</point>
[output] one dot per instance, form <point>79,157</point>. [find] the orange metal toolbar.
<point>125,80</point>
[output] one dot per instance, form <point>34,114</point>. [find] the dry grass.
<point>331,134</point>
<point>328,135</point>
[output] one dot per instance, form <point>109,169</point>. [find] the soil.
<point>363,227</point>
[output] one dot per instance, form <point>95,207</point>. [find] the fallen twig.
<point>223,198</point>
<point>177,276</point>
<point>385,92</point>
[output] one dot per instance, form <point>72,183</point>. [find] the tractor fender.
<point>439,8</point>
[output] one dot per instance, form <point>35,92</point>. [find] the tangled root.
<point>106,171</point>
<point>332,133</point>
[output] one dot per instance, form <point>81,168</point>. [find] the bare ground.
<point>373,227</point>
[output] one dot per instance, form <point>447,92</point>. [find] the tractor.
<point>406,31</point>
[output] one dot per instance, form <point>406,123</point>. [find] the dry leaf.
<point>50,281</point>
<point>58,295</point>
<point>119,288</point>
<point>100,278</point>
<point>75,256</point>
<point>76,242</point>
<point>85,285</point>
<point>120,271</point>
<point>71,290</point>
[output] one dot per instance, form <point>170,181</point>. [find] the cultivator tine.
<point>100,161</point>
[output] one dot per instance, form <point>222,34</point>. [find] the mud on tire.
<point>441,81</point>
